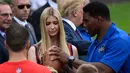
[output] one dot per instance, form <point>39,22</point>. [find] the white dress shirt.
<point>35,4</point>
<point>70,23</point>
<point>20,22</point>
<point>2,33</point>
<point>52,4</point>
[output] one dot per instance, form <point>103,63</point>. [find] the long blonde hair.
<point>45,41</point>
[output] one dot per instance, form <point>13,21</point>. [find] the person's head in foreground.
<point>17,39</point>
<point>87,68</point>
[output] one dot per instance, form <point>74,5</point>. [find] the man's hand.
<point>59,54</point>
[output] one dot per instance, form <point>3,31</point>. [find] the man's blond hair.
<point>66,7</point>
<point>89,68</point>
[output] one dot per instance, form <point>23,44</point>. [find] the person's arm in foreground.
<point>102,68</point>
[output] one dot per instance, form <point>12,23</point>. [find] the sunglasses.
<point>23,6</point>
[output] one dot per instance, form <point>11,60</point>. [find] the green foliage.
<point>120,14</point>
<point>7,1</point>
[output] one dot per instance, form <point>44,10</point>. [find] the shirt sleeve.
<point>117,51</point>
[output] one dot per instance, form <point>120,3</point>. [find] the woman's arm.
<point>75,52</point>
<point>32,54</point>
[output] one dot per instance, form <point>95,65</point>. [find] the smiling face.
<point>52,26</point>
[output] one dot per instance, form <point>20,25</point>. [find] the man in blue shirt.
<point>110,51</point>
<point>84,34</point>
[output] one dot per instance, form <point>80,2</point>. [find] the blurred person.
<point>87,68</point>
<point>21,10</point>
<point>18,45</point>
<point>53,36</point>
<point>72,13</point>
<point>35,4</point>
<point>110,51</point>
<point>35,17</point>
<point>5,21</point>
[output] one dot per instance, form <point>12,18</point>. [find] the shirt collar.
<point>82,29</point>
<point>70,23</point>
<point>2,33</point>
<point>20,22</point>
<point>52,4</point>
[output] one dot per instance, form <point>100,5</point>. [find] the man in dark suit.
<point>34,19</point>
<point>21,10</point>
<point>5,21</point>
<point>75,39</point>
<point>72,13</point>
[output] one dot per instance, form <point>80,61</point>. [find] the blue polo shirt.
<point>113,50</point>
<point>84,34</point>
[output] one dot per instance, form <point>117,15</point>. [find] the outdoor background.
<point>120,12</point>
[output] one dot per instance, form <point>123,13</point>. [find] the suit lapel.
<point>72,30</point>
<point>2,39</point>
<point>32,32</point>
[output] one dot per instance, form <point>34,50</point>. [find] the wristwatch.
<point>71,59</point>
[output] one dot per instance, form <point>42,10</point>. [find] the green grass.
<point>120,14</point>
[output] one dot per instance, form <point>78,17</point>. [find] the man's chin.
<point>6,27</point>
<point>24,18</point>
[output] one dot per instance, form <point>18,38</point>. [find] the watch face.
<point>71,57</point>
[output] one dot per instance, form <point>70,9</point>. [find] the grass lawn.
<point>120,14</point>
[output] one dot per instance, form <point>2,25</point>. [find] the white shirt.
<point>52,4</point>
<point>2,33</point>
<point>35,4</point>
<point>70,23</point>
<point>20,22</point>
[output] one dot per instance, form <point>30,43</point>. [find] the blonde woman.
<point>53,36</point>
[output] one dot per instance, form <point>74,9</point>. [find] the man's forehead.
<point>1,6</point>
<point>86,15</point>
<point>20,1</point>
<point>5,9</point>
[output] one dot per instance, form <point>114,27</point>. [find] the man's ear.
<point>12,8</point>
<point>6,46</point>
<point>99,19</point>
<point>74,13</point>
